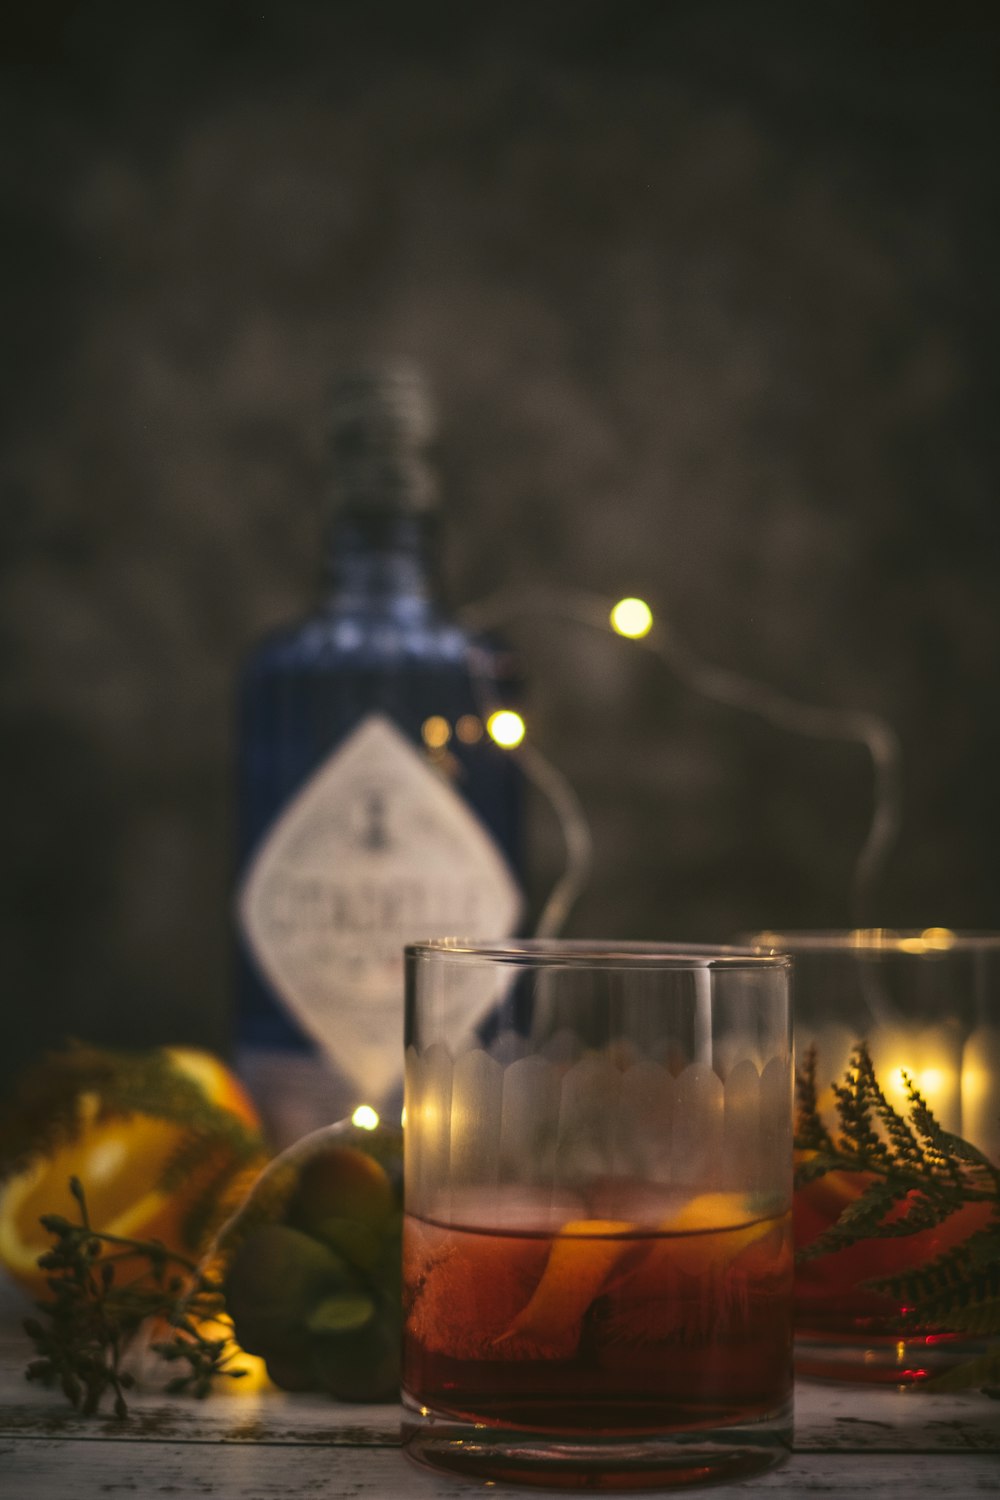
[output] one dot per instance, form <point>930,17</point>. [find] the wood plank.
<point>830,1419</point>
<point>852,1418</point>
<point>43,1469</point>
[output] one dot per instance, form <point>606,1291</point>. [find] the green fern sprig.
<point>811,1133</point>
<point>908,1162</point>
<point>955,1289</point>
<point>919,1176</point>
<point>859,1141</point>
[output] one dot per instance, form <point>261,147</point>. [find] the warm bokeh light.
<point>632,618</point>
<point>364,1117</point>
<point>937,1087</point>
<point>436,732</point>
<point>976,1082</point>
<point>469,729</point>
<point>506,728</point>
<point>931,940</point>
<point>930,1082</point>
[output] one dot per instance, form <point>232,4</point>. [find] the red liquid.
<point>602,1329</point>
<point>833,1307</point>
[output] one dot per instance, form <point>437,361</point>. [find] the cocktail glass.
<point>927,1005</point>
<point>597,1252</point>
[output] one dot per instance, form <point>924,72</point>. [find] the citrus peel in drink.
<point>709,1232</point>
<point>582,1255</point>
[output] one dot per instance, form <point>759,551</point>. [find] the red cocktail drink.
<point>598,1261</point>
<point>835,1309</point>
<point>605,1328</point>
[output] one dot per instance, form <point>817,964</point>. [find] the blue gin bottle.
<point>374,806</point>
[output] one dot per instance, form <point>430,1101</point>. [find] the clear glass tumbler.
<point>927,1004</point>
<point>597,1255</point>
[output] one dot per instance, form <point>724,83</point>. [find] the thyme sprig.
<point>93,1315</point>
<point>919,1175</point>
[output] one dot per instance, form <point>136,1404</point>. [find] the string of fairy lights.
<point>632,619</point>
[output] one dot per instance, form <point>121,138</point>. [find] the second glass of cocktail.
<point>900,1300</point>
<point>597,1254</point>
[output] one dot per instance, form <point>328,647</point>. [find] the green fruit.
<point>360,1364</point>
<point>356,1242</point>
<point>387,1271</point>
<point>342,1183</point>
<point>346,1313</point>
<point>318,1296</point>
<point>275,1280</point>
<point>290,1370</point>
<point>385,1145</point>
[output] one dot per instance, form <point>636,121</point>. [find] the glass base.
<point>881,1359</point>
<point>630,1461</point>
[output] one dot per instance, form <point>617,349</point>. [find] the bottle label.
<point>375,851</point>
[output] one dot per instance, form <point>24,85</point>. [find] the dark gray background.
<point>708,294</point>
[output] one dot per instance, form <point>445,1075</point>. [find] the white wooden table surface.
<point>849,1442</point>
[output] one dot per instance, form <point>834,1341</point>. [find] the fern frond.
<point>858,1137</point>
<point>812,1168</point>
<point>903,1144</point>
<point>810,1132</point>
<point>934,1174</point>
<point>978,1320</point>
<point>949,1148</point>
<point>860,1220</point>
<point>953,1295</point>
<point>922,1212</point>
<point>979,1252</point>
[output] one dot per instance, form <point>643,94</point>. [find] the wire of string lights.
<point>633,620</point>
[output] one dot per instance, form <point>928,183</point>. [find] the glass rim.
<point>921,941</point>
<point>596,954</point>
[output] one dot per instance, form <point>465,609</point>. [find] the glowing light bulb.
<point>364,1117</point>
<point>930,1082</point>
<point>469,729</point>
<point>938,937</point>
<point>506,728</point>
<point>436,732</point>
<point>632,618</point>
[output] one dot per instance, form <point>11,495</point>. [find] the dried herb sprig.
<point>919,1175</point>
<point>92,1317</point>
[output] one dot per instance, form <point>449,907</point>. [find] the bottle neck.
<point>381,560</point>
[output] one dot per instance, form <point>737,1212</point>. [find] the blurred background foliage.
<point>708,294</point>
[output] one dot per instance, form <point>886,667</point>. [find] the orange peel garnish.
<point>583,1254</point>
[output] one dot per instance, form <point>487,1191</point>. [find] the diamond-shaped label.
<point>376,851</point>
